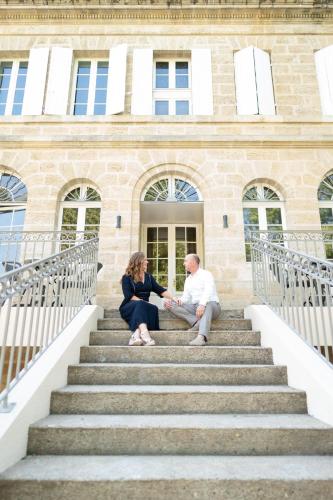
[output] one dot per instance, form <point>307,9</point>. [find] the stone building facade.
<point>213,150</point>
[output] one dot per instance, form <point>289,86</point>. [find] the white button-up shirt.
<point>199,288</point>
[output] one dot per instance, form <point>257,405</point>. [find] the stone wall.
<point>221,154</point>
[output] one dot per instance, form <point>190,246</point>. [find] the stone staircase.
<point>175,421</point>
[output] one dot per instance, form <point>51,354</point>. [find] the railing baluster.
<point>48,294</point>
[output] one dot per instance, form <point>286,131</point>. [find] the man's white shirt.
<point>199,288</point>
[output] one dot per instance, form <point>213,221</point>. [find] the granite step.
<point>177,324</point>
<point>173,373</point>
<point>164,314</point>
<point>177,337</point>
<point>187,434</point>
<point>52,477</point>
<point>114,399</point>
<point>176,354</point>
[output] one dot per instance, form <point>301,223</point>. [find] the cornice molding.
<point>167,142</point>
<point>152,10</point>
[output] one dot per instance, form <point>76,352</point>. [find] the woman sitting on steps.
<point>135,309</point>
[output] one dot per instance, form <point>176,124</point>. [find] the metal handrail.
<point>318,243</point>
<point>37,301</point>
<point>299,288</point>
<point>18,248</point>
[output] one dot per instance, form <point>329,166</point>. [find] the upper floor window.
<point>13,76</point>
<point>262,211</point>
<point>171,91</point>
<point>324,67</point>
<point>254,84</point>
<point>90,92</point>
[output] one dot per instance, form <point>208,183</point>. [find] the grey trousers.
<point>187,312</point>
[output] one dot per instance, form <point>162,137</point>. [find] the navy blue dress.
<point>135,312</point>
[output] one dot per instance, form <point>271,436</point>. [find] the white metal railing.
<point>18,248</point>
<point>37,301</point>
<point>318,243</point>
<point>299,288</point>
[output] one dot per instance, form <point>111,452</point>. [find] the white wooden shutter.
<point>115,99</point>
<point>59,81</point>
<point>265,93</point>
<point>324,67</point>
<point>245,80</point>
<point>202,90</point>
<point>142,82</point>
<point>35,83</point>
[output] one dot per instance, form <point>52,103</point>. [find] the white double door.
<point>165,246</point>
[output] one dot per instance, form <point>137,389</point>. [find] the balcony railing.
<point>37,301</point>
<point>18,248</point>
<point>299,288</point>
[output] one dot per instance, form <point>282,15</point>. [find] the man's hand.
<point>200,311</point>
<point>169,303</point>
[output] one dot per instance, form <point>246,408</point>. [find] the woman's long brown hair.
<point>133,268</point>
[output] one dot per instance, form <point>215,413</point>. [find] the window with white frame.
<point>80,210</point>
<point>324,67</point>
<point>263,210</point>
<point>13,200</point>
<point>325,198</point>
<point>172,87</point>
<point>13,76</point>
<point>90,88</point>
<point>254,83</point>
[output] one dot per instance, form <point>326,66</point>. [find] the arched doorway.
<point>171,215</point>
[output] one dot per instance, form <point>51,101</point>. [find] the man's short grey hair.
<point>195,257</point>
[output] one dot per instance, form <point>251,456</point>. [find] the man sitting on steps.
<point>199,303</point>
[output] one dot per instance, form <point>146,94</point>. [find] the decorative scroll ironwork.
<point>37,302</point>
<point>299,288</point>
<point>18,248</point>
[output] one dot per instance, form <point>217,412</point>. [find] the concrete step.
<point>113,399</point>
<point>164,314</point>
<point>54,477</point>
<point>173,374</point>
<point>176,354</point>
<point>177,324</point>
<point>177,337</point>
<point>180,434</point>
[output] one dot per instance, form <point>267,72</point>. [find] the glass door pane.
<point>185,243</point>
<point>157,254</point>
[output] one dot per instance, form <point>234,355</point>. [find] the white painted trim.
<point>56,101</point>
<point>32,394</point>
<point>306,370</point>
<point>115,99</point>
<point>142,82</point>
<point>35,83</point>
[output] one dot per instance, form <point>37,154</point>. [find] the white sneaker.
<point>135,338</point>
<point>198,341</point>
<point>147,340</point>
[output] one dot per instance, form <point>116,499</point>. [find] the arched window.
<point>325,198</point>
<point>80,209</point>
<point>13,198</point>
<point>262,210</point>
<point>172,189</point>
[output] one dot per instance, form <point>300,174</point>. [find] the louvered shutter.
<point>35,83</point>
<point>202,90</point>
<point>265,93</point>
<point>115,101</point>
<point>58,84</point>
<point>245,80</point>
<point>142,82</point>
